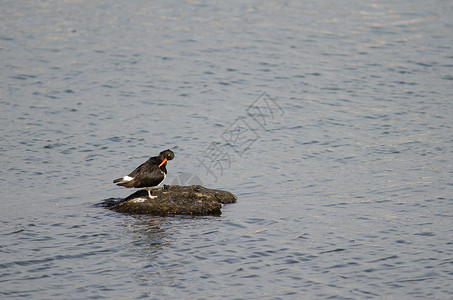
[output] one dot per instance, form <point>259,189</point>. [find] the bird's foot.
<point>151,196</point>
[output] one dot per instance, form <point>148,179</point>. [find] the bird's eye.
<point>168,154</point>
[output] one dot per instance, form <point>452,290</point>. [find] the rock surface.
<point>174,200</point>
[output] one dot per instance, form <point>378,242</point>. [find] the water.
<point>345,192</point>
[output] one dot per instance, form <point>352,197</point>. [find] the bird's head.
<point>166,155</point>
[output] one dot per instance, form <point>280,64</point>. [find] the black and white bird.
<point>149,174</point>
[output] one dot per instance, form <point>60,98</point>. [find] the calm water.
<point>344,182</point>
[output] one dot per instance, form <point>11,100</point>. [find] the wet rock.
<point>174,200</point>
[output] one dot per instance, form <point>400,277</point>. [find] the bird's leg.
<point>150,196</point>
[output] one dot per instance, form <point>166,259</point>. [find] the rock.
<point>174,200</point>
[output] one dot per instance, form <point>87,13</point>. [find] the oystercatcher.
<point>149,174</point>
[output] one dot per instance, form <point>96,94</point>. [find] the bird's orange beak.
<point>164,161</point>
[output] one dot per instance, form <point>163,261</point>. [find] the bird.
<point>149,174</point>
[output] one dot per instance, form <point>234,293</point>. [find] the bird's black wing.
<point>147,174</point>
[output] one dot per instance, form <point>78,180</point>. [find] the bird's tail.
<point>125,181</point>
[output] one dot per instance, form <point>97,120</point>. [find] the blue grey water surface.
<point>346,192</point>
